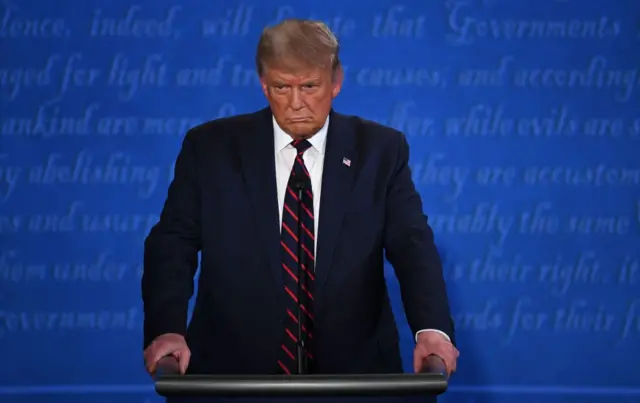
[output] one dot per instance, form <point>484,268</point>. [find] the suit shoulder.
<point>378,128</point>
<point>222,128</point>
<point>375,131</point>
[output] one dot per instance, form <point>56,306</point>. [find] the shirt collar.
<point>282,139</point>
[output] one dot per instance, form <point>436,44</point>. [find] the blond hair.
<point>295,43</point>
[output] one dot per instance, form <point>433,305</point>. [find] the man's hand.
<point>434,343</point>
<point>164,345</point>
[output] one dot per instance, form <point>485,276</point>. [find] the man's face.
<point>301,100</point>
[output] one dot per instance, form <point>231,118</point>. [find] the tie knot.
<point>301,145</point>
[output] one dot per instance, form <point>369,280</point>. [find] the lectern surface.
<point>308,388</point>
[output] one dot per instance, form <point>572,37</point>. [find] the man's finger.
<point>450,363</point>
<point>145,357</point>
<point>152,358</point>
<point>419,354</point>
<point>183,360</point>
<point>454,359</point>
<point>147,361</point>
<point>151,367</point>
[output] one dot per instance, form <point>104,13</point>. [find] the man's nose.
<point>296,100</point>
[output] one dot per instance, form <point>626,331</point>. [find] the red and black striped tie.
<point>293,215</point>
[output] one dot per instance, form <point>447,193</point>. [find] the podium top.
<point>432,380</point>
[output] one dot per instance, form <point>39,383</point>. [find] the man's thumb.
<point>183,357</point>
<point>417,361</point>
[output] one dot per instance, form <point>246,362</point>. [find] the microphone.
<point>299,184</point>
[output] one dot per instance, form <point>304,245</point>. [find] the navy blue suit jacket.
<point>222,202</point>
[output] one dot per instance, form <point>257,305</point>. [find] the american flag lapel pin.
<point>346,161</point>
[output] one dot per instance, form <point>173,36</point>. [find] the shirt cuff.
<point>433,330</point>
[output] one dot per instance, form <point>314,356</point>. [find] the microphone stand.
<point>300,348</point>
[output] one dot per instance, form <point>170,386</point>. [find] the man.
<point>255,194</point>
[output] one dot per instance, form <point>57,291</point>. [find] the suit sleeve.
<point>410,248</point>
<point>171,252</point>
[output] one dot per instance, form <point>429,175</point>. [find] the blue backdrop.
<point>522,115</point>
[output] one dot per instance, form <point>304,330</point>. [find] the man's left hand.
<point>434,343</point>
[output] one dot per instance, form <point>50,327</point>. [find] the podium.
<point>431,381</point>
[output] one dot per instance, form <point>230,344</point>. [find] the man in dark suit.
<point>293,192</point>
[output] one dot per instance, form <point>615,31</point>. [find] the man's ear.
<point>338,79</point>
<point>264,86</point>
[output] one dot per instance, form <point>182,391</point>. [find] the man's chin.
<point>302,130</point>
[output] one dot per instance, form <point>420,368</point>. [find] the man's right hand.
<point>167,344</point>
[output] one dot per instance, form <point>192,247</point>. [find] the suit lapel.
<point>258,165</point>
<point>340,166</point>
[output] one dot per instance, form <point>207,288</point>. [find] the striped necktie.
<point>293,243</point>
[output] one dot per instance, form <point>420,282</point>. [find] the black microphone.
<point>299,183</point>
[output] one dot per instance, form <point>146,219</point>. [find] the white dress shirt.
<point>314,161</point>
